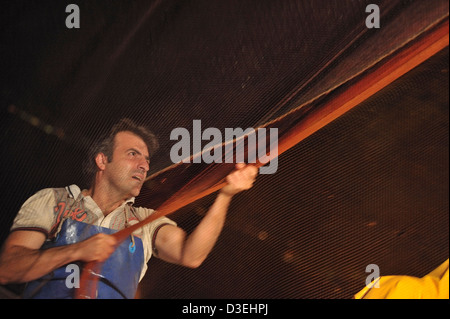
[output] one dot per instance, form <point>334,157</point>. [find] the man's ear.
<point>101,161</point>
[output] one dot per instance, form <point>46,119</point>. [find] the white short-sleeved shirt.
<point>45,210</point>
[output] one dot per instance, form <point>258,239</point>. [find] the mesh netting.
<point>370,187</point>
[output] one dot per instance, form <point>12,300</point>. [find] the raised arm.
<point>175,246</point>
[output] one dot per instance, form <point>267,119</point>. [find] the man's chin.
<point>136,191</point>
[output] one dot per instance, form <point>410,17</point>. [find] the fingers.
<point>97,248</point>
<point>246,171</point>
<point>240,179</point>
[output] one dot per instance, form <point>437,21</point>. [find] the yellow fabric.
<point>435,285</point>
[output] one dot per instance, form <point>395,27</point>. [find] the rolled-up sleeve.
<point>37,213</point>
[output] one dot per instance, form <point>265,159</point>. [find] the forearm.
<point>191,251</point>
<point>202,240</point>
<point>21,261</point>
<point>23,264</point>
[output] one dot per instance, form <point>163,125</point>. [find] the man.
<point>61,226</point>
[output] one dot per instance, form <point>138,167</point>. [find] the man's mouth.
<point>139,178</point>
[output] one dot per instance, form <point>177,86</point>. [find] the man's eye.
<point>133,153</point>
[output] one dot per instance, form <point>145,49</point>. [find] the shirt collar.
<point>75,191</point>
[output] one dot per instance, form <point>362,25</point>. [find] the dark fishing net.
<point>371,187</point>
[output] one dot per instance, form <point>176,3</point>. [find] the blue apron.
<point>119,276</point>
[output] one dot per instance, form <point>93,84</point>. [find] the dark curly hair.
<point>105,145</point>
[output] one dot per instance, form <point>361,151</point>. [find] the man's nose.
<point>143,165</point>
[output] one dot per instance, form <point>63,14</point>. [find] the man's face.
<point>130,162</point>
